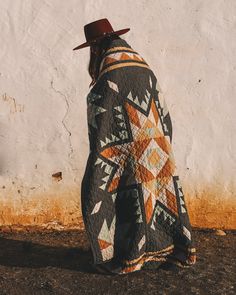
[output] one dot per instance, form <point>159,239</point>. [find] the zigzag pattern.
<point>120,56</point>
<point>108,169</point>
<point>122,133</point>
<point>160,215</point>
<point>181,196</point>
<point>145,101</point>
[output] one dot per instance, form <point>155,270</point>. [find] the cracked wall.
<point>190,46</point>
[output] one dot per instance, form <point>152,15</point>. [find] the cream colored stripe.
<point>119,48</point>
<point>155,259</point>
<point>163,250</point>
<point>120,65</point>
<point>148,253</point>
<point>134,260</point>
<point>144,260</point>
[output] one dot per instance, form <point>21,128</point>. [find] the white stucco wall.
<point>191,47</point>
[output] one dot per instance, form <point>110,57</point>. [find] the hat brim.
<point>86,44</point>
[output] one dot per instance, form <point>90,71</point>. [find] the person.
<point>132,202</point>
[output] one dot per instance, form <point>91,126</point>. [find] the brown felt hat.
<point>97,30</point>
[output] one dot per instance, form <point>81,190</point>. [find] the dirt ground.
<point>56,262</point>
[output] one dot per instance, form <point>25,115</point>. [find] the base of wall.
<point>211,208</point>
<point>61,210</point>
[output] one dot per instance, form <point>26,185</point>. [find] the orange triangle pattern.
<point>114,57</point>
<point>103,244</point>
<point>125,56</point>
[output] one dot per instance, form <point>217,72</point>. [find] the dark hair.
<point>95,59</point>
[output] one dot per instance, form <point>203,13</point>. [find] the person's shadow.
<point>26,253</point>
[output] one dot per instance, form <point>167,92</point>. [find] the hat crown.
<point>97,28</point>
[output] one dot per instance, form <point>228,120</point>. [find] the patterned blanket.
<point>132,201</point>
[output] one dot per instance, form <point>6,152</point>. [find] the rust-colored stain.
<point>211,207</point>
<point>62,209</point>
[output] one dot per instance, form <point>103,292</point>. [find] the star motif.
<point>151,153</point>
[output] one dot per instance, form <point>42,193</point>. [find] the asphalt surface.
<point>56,262</point>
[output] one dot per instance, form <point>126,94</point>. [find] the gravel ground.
<point>56,262</point>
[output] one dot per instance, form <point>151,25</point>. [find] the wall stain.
<point>14,106</point>
<point>211,207</point>
<point>57,176</point>
<point>62,210</point>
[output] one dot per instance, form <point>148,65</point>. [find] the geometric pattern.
<point>181,197</point>
<point>151,153</point>
<point>106,238</point>
<point>96,207</point>
<point>122,133</point>
<point>113,86</point>
<point>120,54</point>
<point>161,215</point>
<point>164,116</point>
<point>141,243</point>
<point>187,232</point>
<point>132,200</point>
<point>107,169</point>
<point>144,103</point>
<point>93,109</point>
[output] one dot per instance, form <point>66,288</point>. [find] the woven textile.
<point>132,201</point>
